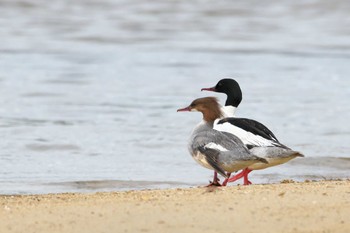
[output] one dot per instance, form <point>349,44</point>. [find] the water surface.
<point>89,89</point>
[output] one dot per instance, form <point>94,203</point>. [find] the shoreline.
<point>309,168</point>
<point>314,206</point>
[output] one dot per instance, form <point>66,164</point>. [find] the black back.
<point>252,126</point>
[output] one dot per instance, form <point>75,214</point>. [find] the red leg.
<point>236,177</point>
<point>215,181</point>
<point>246,171</point>
<point>226,180</point>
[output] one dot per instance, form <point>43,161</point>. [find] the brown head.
<point>209,107</point>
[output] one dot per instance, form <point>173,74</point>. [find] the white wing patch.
<point>215,146</point>
<point>247,138</point>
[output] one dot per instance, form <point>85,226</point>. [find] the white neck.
<point>228,111</point>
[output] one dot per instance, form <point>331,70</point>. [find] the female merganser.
<point>256,136</point>
<point>220,151</point>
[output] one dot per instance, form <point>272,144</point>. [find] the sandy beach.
<point>287,207</point>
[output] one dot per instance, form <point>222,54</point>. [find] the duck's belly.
<point>239,165</point>
<point>228,167</point>
<point>272,162</point>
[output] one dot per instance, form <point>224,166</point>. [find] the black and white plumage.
<point>257,137</point>
<point>220,151</point>
<point>259,140</point>
<point>251,132</point>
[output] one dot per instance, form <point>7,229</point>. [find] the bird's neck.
<point>212,115</point>
<point>202,126</point>
<point>234,98</point>
<point>228,111</point>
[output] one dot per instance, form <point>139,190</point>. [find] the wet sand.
<point>287,207</point>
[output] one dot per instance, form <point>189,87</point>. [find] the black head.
<point>227,85</point>
<point>231,88</point>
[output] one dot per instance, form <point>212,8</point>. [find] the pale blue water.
<point>89,89</point>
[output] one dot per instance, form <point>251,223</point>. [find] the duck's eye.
<point>192,105</point>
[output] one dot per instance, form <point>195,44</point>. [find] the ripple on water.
<point>52,147</point>
<point>41,94</point>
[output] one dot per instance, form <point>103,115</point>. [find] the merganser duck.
<point>234,95</point>
<point>219,151</point>
<point>256,136</point>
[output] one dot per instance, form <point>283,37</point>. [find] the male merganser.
<point>234,95</point>
<point>256,136</point>
<point>220,151</point>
